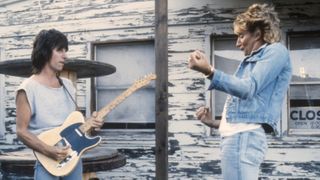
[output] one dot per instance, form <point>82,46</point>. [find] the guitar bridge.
<point>66,159</point>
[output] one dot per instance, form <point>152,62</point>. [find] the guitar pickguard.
<point>78,140</point>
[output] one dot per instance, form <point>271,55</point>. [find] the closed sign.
<point>304,118</point>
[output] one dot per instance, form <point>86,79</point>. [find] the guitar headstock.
<point>145,80</point>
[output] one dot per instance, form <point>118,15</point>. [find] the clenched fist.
<point>197,61</point>
<point>205,116</point>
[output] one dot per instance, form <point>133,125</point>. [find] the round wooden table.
<point>20,164</point>
<point>73,68</point>
<point>81,67</point>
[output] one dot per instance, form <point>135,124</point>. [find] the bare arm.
<point>204,115</point>
<point>28,138</point>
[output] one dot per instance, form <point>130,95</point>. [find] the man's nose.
<point>64,54</point>
<point>238,43</point>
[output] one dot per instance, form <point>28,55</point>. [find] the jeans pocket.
<point>254,148</point>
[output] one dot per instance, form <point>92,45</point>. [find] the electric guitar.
<point>74,132</point>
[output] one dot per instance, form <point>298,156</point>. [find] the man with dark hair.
<point>43,47</point>
<point>43,103</point>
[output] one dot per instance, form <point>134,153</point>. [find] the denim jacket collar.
<point>248,57</point>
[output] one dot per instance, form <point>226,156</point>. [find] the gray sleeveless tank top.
<point>49,106</point>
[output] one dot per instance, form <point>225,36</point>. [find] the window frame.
<point>2,103</point>
<point>211,94</point>
<point>94,93</point>
<point>298,132</point>
<point>213,62</point>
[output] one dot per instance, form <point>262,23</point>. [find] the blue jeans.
<point>41,173</point>
<point>242,154</point>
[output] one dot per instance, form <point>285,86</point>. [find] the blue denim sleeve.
<point>272,61</point>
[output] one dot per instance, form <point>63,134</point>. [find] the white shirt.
<point>229,129</point>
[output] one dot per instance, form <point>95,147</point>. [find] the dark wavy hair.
<point>43,45</point>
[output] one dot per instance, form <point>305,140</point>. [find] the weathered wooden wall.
<point>192,153</point>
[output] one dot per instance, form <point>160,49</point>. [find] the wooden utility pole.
<point>161,55</point>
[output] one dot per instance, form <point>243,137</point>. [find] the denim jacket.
<point>258,87</point>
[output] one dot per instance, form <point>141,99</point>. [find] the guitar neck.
<point>85,127</point>
<point>105,110</point>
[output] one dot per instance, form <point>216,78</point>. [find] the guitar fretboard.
<point>105,110</point>
<point>85,127</point>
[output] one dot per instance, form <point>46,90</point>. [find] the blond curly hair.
<point>262,17</point>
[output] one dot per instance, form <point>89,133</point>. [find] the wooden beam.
<point>161,55</point>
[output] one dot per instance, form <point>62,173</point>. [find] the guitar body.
<point>66,134</point>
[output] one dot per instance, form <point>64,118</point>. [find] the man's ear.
<point>257,34</point>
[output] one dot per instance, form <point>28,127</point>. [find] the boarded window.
<point>133,60</point>
<point>304,93</point>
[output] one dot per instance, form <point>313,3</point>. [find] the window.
<point>133,60</point>
<point>304,92</point>
<point>226,57</point>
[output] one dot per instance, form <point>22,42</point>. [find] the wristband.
<point>209,76</point>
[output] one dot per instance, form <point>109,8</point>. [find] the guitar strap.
<point>64,87</point>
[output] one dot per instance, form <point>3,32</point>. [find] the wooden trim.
<point>302,33</point>
<point>112,125</point>
<point>93,102</point>
<point>161,54</point>
<point>121,41</point>
<point>2,104</point>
